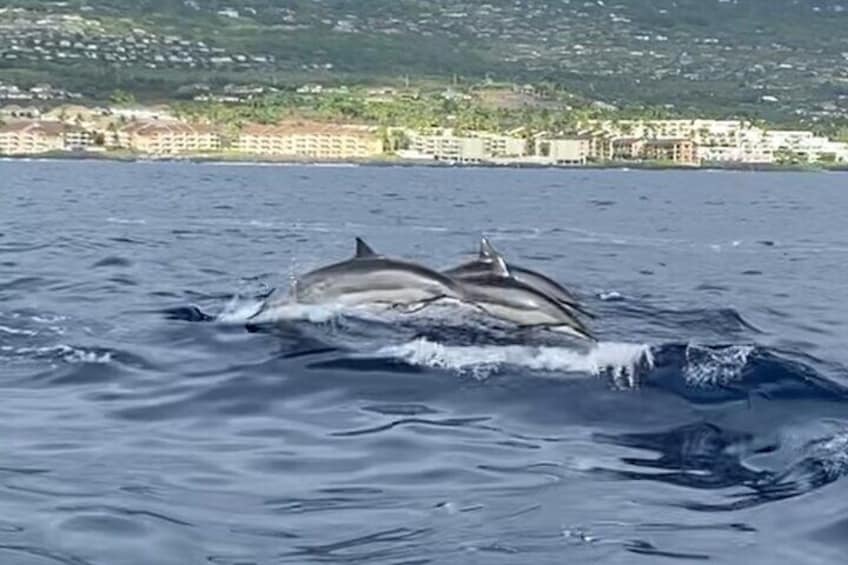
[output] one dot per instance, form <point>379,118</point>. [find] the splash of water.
<point>623,361</point>
<point>710,367</point>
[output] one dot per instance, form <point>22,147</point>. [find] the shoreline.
<point>230,159</point>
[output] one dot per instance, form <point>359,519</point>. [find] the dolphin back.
<point>535,279</point>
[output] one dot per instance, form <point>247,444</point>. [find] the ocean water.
<point>143,421</point>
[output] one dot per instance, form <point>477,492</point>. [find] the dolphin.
<point>370,278</point>
<point>484,262</point>
<point>503,296</point>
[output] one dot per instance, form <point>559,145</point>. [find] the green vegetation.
<point>780,60</point>
<point>409,109</point>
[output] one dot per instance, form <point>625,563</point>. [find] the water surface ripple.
<point>144,422</point>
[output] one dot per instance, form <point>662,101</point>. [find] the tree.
<point>398,140</point>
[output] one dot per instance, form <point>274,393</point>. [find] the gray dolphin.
<point>500,294</point>
<point>484,262</point>
<point>370,278</point>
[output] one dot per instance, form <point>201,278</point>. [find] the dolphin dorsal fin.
<point>487,252</point>
<point>499,266</point>
<point>363,249</point>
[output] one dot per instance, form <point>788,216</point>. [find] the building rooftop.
<point>668,141</point>
<point>306,128</point>
<point>154,127</point>
<point>45,128</point>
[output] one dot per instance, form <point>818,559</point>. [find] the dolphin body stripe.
<point>484,264</point>
<point>512,300</point>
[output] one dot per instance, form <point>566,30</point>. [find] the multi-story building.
<point>719,153</point>
<point>563,151</point>
<point>167,138</point>
<point>626,148</point>
<point>680,151</point>
<point>310,140</point>
<point>832,151</point>
<point>504,145</point>
<point>702,132</point>
<point>77,138</point>
<point>716,141</point>
<point>445,146</point>
<point>31,137</point>
<point>752,147</point>
<point>470,147</point>
<point>803,146</point>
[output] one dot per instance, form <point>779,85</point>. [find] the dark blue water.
<point>142,422</point>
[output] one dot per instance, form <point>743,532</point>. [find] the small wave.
<point>623,361</point>
<point>48,319</point>
<point>132,221</point>
<point>63,352</point>
<point>819,463</point>
<point>723,373</point>
<point>14,331</point>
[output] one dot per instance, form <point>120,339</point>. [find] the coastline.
<point>391,161</point>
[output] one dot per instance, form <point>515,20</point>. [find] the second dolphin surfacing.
<point>484,262</point>
<point>505,297</point>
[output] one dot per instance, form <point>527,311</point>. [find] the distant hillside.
<point>773,58</point>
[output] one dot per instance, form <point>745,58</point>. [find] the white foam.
<point>832,454</point>
<point>48,319</point>
<point>710,367</point>
<point>238,310</point>
<point>82,356</point>
<point>13,331</point>
<point>622,360</point>
<point>314,313</point>
<point>241,310</point>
